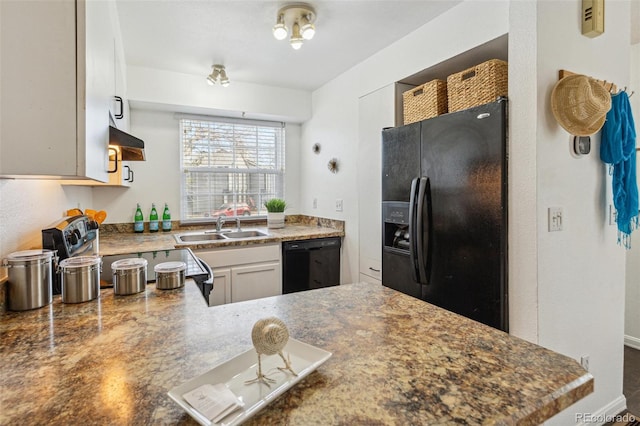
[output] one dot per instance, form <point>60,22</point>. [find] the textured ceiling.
<point>188,36</point>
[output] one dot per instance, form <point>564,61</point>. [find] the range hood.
<point>132,148</point>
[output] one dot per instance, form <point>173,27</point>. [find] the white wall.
<point>28,206</point>
<point>632,297</point>
<point>581,269</point>
<point>158,178</point>
<point>191,93</point>
<point>335,110</point>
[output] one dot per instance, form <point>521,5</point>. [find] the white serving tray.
<point>236,371</point>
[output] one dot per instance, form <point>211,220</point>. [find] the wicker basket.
<point>425,101</point>
<point>477,85</point>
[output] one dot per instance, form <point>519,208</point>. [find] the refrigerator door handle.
<point>420,216</point>
<point>413,199</point>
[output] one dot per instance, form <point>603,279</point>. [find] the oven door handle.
<point>209,271</point>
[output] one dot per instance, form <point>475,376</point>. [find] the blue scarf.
<point>618,148</point>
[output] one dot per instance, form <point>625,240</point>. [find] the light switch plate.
<point>555,219</point>
<point>339,205</point>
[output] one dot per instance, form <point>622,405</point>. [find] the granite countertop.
<point>396,360</point>
<point>120,239</point>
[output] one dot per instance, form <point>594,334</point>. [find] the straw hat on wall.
<point>580,104</point>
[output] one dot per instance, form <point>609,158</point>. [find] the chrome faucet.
<point>238,224</point>
<point>219,223</point>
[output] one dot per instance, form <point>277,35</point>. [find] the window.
<point>229,167</point>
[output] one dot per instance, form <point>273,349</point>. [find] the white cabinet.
<point>54,104</point>
<point>221,293</point>
<point>119,103</point>
<point>245,273</point>
<point>375,112</point>
<point>255,281</point>
<point>120,173</point>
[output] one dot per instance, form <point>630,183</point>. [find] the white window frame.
<point>271,176</point>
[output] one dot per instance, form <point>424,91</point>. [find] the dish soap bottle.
<point>153,219</point>
<point>166,219</point>
<point>138,220</point>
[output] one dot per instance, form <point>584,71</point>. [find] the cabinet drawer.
<point>371,267</point>
<point>226,256</point>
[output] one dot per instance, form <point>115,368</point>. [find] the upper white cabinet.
<point>375,112</point>
<point>55,88</point>
<point>119,103</point>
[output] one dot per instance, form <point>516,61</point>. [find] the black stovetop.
<point>194,269</point>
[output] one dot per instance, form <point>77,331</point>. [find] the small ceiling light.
<point>299,18</point>
<point>218,76</point>
<point>296,39</point>
<point>224,80</point>
<point>279,29</point>
<point>307,29</point>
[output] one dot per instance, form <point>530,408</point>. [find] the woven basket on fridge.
<point>425,101</point>
<point>477,85</point>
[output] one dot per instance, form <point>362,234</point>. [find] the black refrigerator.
<point>444,211</point>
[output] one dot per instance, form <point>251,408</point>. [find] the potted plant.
<point>275,212</point>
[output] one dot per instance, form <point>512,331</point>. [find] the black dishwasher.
<point>310,264</point>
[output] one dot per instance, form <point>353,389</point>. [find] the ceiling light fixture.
<point>218,76</point>
<point>299,17</point>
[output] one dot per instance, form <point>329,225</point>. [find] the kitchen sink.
<point>219,235</point>
<point>200,236</point>
<point>245,234</point>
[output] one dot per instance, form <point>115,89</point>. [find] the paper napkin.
<point>215,402</point>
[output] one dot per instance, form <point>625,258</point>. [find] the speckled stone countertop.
<point>396,360</point>
<point>120,239</point>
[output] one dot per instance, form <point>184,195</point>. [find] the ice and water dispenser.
<point>395,219</point>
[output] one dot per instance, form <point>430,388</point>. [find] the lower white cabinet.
<point>246,273</point>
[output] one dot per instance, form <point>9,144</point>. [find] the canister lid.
<point>170,267</point>
<point>31,255</point>
<point>129,263</point>
<point>80,261</point>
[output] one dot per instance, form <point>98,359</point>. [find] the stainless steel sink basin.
<point>245,234</point>
<point>226,234</point>
<point>200,236</point>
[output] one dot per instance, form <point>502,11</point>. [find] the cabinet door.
<point>38,86</point>
<point>375,112</point>
<point>221,292</point>
<point>255,281</point>
<point>95,76</point>
<point>53,108</point>
<point>122,176</point>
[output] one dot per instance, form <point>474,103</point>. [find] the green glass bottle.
<point>138,220</point>
<point>153,219</point>
<point>166,219</point>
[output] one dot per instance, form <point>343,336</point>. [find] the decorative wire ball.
<point>269,335</point>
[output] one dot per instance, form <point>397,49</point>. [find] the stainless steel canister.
<point>80,278</point>
<point>30,279</point>
<point>129,275</point>
<point>170,275</point>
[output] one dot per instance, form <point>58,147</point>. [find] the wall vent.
<point>592,17</point>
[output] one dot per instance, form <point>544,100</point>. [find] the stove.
<point>196,268</point>
<point>69,237</point>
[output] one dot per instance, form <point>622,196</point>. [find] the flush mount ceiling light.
<point>218,76</point>
<point>299,18</point>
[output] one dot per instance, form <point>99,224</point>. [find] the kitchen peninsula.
<point>396,360</point>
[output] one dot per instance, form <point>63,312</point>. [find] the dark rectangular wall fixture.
<point>131,147</point>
